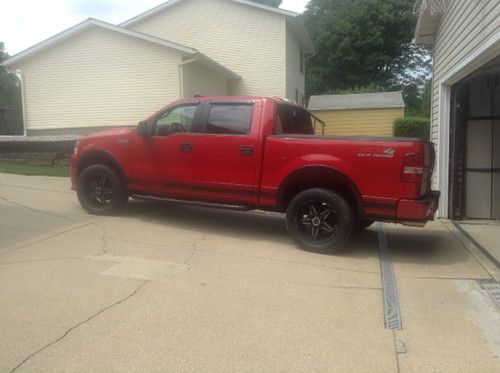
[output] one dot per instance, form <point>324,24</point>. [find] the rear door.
<point>228,151</point>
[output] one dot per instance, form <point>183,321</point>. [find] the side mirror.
<point>143,129</point>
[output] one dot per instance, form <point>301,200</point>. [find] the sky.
<point>23,23</point>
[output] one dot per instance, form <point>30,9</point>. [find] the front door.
<point>167,157</point>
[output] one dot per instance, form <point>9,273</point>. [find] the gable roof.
<point>171,3</point>
<point>295,22</point>
<point>381,100</point>
<point>185,51</point>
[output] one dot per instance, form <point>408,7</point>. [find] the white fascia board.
<point>170,3</point>
<point>94,22</point>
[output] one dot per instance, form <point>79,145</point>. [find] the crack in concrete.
<point>42,260</point>
<point>103,249</point>
<point>291,262</point>
<point>247,256</point>
<point>33,188</point>
<point>395,340</point>
<point>43,238</point>
<point>195,249</point>
<point>333,286</point>
<point>37,210</point>
<point>77,326</point>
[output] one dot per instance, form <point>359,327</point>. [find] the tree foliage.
<point>364,42</point>
<point>417,127</point>
<point>273,3</point>
<point>10,99</point>
<point>370,88</point>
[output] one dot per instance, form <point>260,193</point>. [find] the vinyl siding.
<point>465,25</point>
<point>249,41</point>
<point>198,80</point>
<point>359,122</point>
<point>295,80</point>
<point>98,78</point>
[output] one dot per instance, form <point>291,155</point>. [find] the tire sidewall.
<point>118,190</point>
<point>345,218</point>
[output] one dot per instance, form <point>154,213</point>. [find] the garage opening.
<point>475,145</point>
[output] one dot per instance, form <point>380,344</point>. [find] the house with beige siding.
<point>97,75</point>
<point>465,40</point>
<point>366,114</point>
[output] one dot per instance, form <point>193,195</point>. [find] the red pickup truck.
<point>258,153</point>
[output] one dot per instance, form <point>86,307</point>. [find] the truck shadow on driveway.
<point>253,225</point>
<point>406,244</point>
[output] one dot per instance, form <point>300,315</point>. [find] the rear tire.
<point>319,220</point>
<point>100,190</point>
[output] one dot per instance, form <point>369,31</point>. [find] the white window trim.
<point>488,50</point>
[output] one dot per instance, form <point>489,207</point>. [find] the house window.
<point>302,62</point>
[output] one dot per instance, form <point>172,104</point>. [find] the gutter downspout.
<point>23,103</point>
<point>181,77</point>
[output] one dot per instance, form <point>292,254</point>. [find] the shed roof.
<point>357,101</point>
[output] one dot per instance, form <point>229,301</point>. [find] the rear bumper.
<point>422,209</point>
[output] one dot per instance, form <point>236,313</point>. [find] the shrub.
<point>412,127</point>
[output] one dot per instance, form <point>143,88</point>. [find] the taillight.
<point>414,170</point>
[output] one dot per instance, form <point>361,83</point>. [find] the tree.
<point>273,3</point>
<point>361,43</point>
<point>10,99</point>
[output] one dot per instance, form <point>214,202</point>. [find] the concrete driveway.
<point>174,288</point>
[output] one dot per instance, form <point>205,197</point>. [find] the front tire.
<point>319,219</point>
<point>100,190</point>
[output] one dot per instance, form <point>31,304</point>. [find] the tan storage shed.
<point>366,114</point>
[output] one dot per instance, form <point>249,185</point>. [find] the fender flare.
<point>338,176</point>
<point>86,159</point>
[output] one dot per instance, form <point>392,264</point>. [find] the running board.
<point>223,206</point>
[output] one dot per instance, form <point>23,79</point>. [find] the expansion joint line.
<point>392,314</point>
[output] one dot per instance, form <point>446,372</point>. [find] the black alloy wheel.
<point>317,219</point>
<point>320,219</point>
<point>100,190</point>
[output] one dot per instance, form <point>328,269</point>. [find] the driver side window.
<point>177,120</point>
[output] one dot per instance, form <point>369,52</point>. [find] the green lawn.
<point>28,169</point>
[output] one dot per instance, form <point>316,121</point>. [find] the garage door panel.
<point>478,204</point>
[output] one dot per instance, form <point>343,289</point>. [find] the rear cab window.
<point>228,118</point>
<point>293,120</point>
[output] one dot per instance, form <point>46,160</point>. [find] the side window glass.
<point>293,120</point>
<point>176,120</point>
<point>229,119</point>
